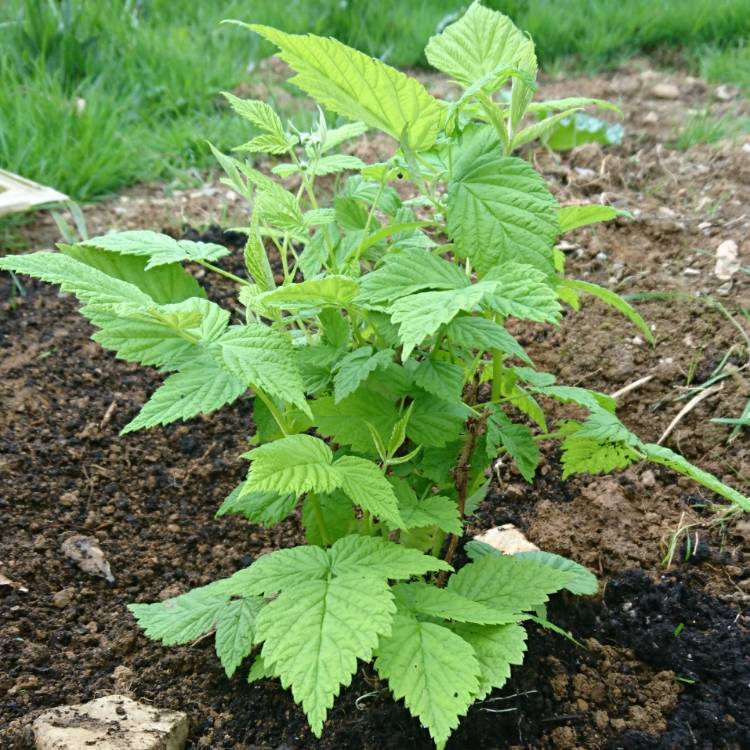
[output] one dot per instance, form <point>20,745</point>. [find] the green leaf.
<point>164,284</point>
<point>517,439</point>
<point>346,132</point>
<point>377,556</point>
<point>183,618</point>
<point>294,464</point>
<point>421,315</point>
<point>281,570</point>
<point>588,455</point>
<point>167,336</point>
<point>256,260</point>
<point>603,425</point>
<point>497,648</point>
<point>434,670</point>
<point>258,113</point>
<point>335,164</point>
<point>314,633</point>
<point>523,292</point>
<point>258,671</point>
<point>666,457</point>
<point>484,334</point>
<point>359,87</point>
<point>481,42</point>
<point>406,272</point>
<point>440,378</point>
<point>573,217</point>
<point>327,517</point>
<point>433,510</point>
<point>200,387</point>
<point>353,369</point>
<point>508,583</point>
<point>331,291</point>
<point>235,631</point>
<point>613,300</point>
<point>584,583</point>
<point>499,207</point>
<point>592,400</point>
<point>435,422</point>
<point>267,508</point>
<point>540,129</point>
<point>347,422</point>
<point>160,249</point>
<point>366,486</point>
<point>426,599</point>
<point>263,357</point>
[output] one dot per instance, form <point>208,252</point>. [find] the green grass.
<point>97,95</point>
<point>707,128</point>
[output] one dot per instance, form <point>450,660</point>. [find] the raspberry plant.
<point>382,377</point>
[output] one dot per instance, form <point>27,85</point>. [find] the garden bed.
<point>664,663</point>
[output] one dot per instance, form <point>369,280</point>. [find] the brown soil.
<point>664,663</point>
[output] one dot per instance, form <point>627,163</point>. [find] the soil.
<point>663,661</point>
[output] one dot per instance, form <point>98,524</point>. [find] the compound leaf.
<point>434,670</point>
<point>481,333</point>
<point>359,87</point>
<point>316,630</point>
<point>281,570</point>
<point>365,484</point>
<point>327,517</point>
<point>497,648</point>
<point>331,291</point>
<point>517,439</point>
<point>584,582</point>
<point>499,207</point>
<point>354,368</point>
<point>523,292</point>
<point>440,378</point>
<point>235,631</point>
<point>267,508</point>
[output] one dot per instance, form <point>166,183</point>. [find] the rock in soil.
<point>506,539</point>
<point>87,554</point>
<point>114,722</point>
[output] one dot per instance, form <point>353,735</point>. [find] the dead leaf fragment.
<point>87,554</point>
<point>727,260</point>
<point>506,539</point>
<point>5,581</point>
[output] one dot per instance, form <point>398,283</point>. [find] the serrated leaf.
<point>263,357</point>
<point>267,508</point>
<point>605,426</point>
<point>165,284</point>
<point>294,464</point>
<point>256,260</point>
<point>613,300</point>
<point>440,378</point>
<point>183,618</point>
<point>268,144</point>
<point>331,291</point>
<point>281,570</point>
<point>540,129</point>
<point>426,599</point>
<point>359,87</point>
<point>481,42</point>
<point>279,208</point>
<point>523,292</point>
<point>258,113</point>
<point>583,583</point>
<point>484,334</point>
<point>666,457</point>
<point>346,132</point>
<point>497,648</point>
<point>159,248</point>
<point>421,315</point>
<point>366,486</point>
<point>434,670</point>
<point>435,422</point>
<point>592,400</point>
<point>573,217</point>
<point>433,510</point>
<point>235,631</point>
<point>499,207</point>
<point>377,556</point>
<point>314,633</point>
<point>353,369</point>
<point>347,422</point>
<point>335,164</point>
<point>582,455</point>
<point>200,387</point>
<point>327,517</point>
<point>517,439</point>
<point>258,670</point>
<point>508,583</point>
<point>407,272</point>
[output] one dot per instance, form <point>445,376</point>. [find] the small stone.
<point>114,722</point>
<point>665,91</point>
<point>651,118</point>
<point>122,677</point>
<point>727,260</point>
<point>648,479</point>
<point>726,93</point>
<point>506,539</point>
<point>87,554</point>
<point>63,598</point>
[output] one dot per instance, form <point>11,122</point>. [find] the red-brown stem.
<point>461,476</point>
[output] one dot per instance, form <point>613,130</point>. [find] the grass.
<point>704,128</point>
<point>98,95</point>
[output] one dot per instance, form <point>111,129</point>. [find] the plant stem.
<point>315,503</point>
<point>222,272</point>
<point>461,475</point>
<point>275,413</point>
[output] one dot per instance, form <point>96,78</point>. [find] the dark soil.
<point>664,663</point>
